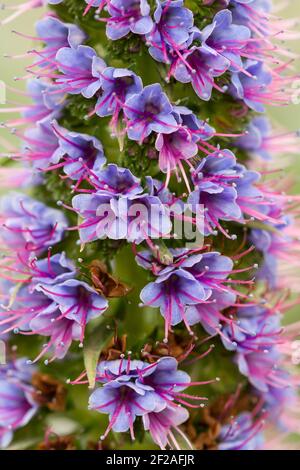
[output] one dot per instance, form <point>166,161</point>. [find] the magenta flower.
<point>55,34</point>
<point>76,301</point>
<point>200,67</point>
<point>162,425</point>
<point>242,434</point>
<point>172,30</point>
<point>79,155</point>
<point>81,69</point>
<point>187,281</point>
<point>147,111</point>
<point>173,148</point>
<point>29,225</point>
<point>135,388</point>
<point>126,16</point>
<point>17,406</point>
<point>117,85</point>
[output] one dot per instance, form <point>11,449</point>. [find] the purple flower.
<point>80,155</point>
<point>161,425</point>
<point>261,368</point>
<point>147,111</point>
<point>25,303</point>
<point>76,301</point>
<point>215,195</point>
<point>199,129</point>
<point>40,146</point>
<point>126,16</point>
<point>51,270</point>
<point>226,38</point>
<point>273,243</point>
<point>17,406</point>
<point>52,303</point>
<point>116,181</point>
<point>22,308</point>
<point>256,140</point>
<point>172,30</point>
<point>241,434</point>
<point>81,69</point>
<point>171,202</point>
<point>117,85</point>
<point>118,210</point>
<point>186,281</point>
<point>60,330</point>
<point>209,313</point>
<point>135,388</point>
<point>258,329</point>
<point>253,14</point>
<point>47,102</point>
<point>200,67</point>
<point>254,90</point>
<point>55,34</point>
<point>173,148</point>
<point>29,225</point>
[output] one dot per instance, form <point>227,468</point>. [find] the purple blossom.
<point>254,90</point>
<point>76,301</point>
<point>55,34</point>
<point>261,368</point>
<point>116,181</point>
<point>79,154</point>
<point>60,330</point>
<point>258,329</point>
<point>215,194</point>
<point>117,85</point>
<point>118,210</point>
<point>186,281</point>
<point>52,303</point>
<point>147,111</point>
<point>199,129</point>
<point>128,16</point>
<point>134,388</point>
<point>173,148</point>
<point>171,202</point>
<point>256,140</point>
<point>226,38</point>
<point>172,30</point>
<point>200,66</point>
<point>209,313</point>
<point>47,102</point>
<point>241,434</point>
<point>17,406</point>
<point>40,146</point>
<point>29,225</point>
<point>52,270</point>
<point>22,308</point>
<point>81,70</point>
<point>22,305</point>
<point>253,14</point>
<point>162,424</point>
<point>135,218</point>
<point>273,243</point>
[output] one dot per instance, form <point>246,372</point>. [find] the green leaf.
<point>93,345</point>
